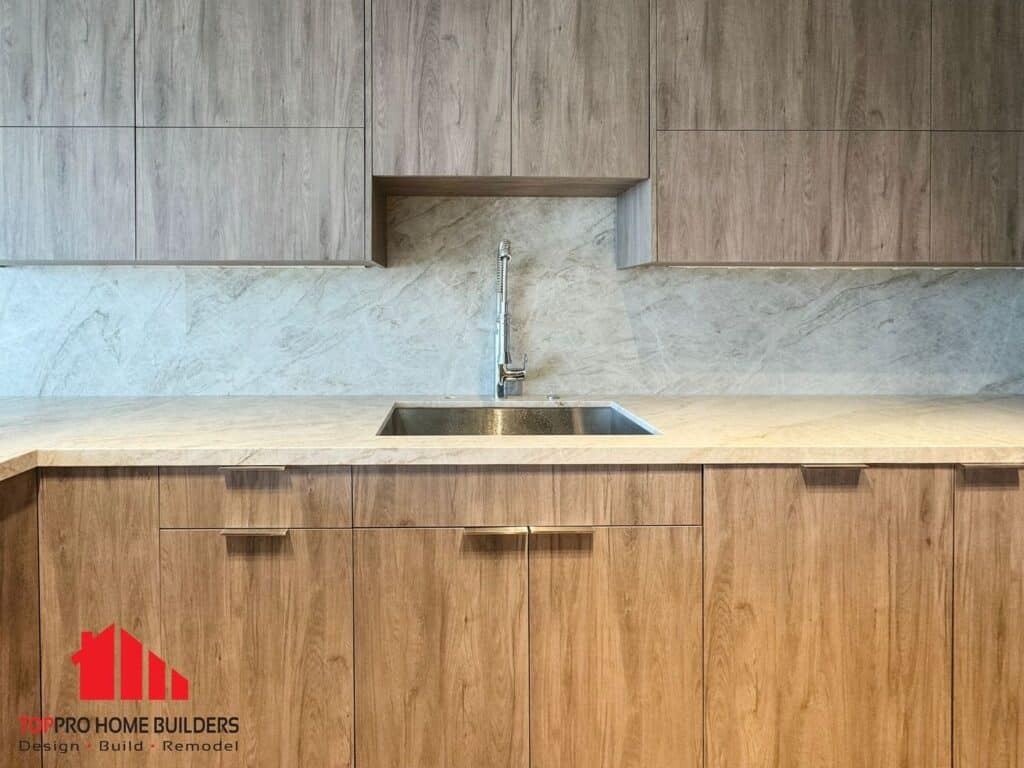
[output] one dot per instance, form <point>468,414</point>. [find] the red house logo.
<point>97,679</point>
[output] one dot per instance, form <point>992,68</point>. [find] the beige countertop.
<point>342,430</point>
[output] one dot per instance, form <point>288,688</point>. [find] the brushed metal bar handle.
<point>254,533</point>
<point>555,530</point>
<point>513,530</point>
<point>840,467</point>
<point>1007,467</point>
<point>253,468</point>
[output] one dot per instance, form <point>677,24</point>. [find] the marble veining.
<point>424,325</point>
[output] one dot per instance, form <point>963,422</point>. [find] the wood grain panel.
<point>526,495</point>
<point>793,64</point>
<point>65,63</point>
<point>99,551</point>
<point>19,607</point>
<point>235,498</point>
<point>615,649</point>
<point>66,194</point>
<point>280,195</point>
<point>828,617</point>
<point>978,197</point>
<point>266,627</point>
<point>441,649</point>
<point>978,55</point>
<point>441,87</point>
<point>793,197</point>
<point>988,644</point>
<point>243,63</point>
<point>580,79</point>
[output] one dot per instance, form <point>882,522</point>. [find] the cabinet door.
<point>441,649</point>
<point>580,88</point>
<point>828,617</point>
<point>988,646</point>
<point>98,563</point>
<point>615,648</point>
<point>441,87</point>
<point>265,623</point>
<point>19,607</point>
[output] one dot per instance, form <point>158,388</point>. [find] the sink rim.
<point>468,404</point>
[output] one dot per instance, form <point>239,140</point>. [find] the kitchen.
<point>514,382</point>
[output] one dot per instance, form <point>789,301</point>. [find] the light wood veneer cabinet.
<point>827,609</point>
<point>590,620</point>
<point>504,647</point>
<point>988,644</point>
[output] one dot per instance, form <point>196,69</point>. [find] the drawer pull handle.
<point>254,533</point>
<point>253,468</point>
<point>516,530</point>
<point>989,467</point>
<point>554,530</point>
<point>839,467</point>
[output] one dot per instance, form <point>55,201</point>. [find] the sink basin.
<point>556,419</point>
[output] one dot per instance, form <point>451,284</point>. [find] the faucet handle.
<point>512,372</point>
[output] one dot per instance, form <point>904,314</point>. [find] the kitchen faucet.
<point>508,379</point>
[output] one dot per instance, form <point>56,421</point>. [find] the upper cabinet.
<point>977,55</point>
<point>788,64</point>
<point>244,63</point>
<point>441,87</point>
<point>580,88</point>
<point>64,64</point>
<point>811,132</point>
<point>520,88</point>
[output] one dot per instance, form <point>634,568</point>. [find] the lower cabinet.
<point>441,649</point>
<point>810,622</point>
<point>827,600</point>
<point>615,648</point>
<point>264,621</point>
<point>988,645</point>
<point>561,648</point>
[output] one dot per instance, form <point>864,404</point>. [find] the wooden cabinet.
<point>265,625</point>
<point>527,495</point>
<point>793,64</point>
<point>252,64</point>
<point>527,88</point>
<point>441,649</point>
<point>615,648</point>
<point>977,207</point>
<point>827,604</point>
<point>67,195</point>
<point>256,497</point>
<point>98,556</point>
<point>988,649</point>
<point>66,65</point>
<point>259,195</point>
<point>792,197</point>
<point>977,55</point>
<point>441,87</point>
<point>607,667</point>
<point>19,609</point>
<point>580,88</point>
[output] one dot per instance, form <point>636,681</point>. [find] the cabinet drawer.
<point>241,497</point>
<point>527,495</point>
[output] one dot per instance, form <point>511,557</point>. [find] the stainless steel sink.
<point>555,419</point>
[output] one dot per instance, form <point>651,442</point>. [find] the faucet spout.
<point>507,377</point>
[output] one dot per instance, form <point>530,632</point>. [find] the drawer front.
<point>527,495</point>
<point>257,497</point>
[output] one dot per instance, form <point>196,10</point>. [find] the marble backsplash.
<point>423,326</point>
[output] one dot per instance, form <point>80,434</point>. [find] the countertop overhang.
<point>317,431</point>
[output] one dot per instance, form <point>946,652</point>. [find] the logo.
<point>97,667</point>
